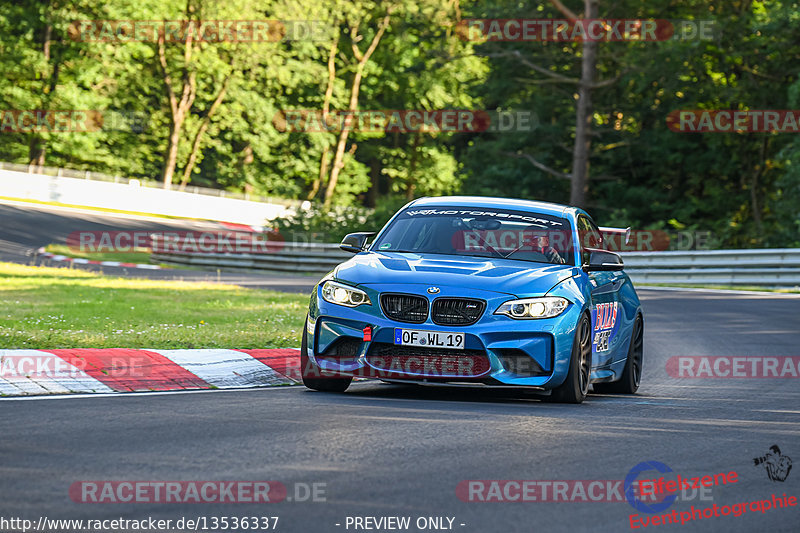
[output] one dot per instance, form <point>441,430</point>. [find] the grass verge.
<point>44,307</point>
<point>140,256</point>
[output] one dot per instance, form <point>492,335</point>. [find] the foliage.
<point>316,224</point>
<point>744,187</point>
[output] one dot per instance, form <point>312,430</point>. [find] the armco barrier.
<point>309,258</point>
<point>767,267</point>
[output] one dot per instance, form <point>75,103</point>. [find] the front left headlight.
<point>545,307</point>
<point>341,294</point>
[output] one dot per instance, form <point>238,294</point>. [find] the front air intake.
<point>405,307</point>
<point>457,311</point>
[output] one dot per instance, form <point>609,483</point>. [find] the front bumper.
<point>503,351</point>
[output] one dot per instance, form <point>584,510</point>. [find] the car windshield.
<point>480,232</point>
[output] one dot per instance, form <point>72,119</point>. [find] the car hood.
<point>517,278</point>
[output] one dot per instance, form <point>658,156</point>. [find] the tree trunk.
<point>323,171</point>
<point>37,148</point>
<point>338,158</point>
<point>412,168</point>
<point>36,154</point>
<point>754,206</point>
<point>201,130</point>
<point>326,106</point>
<point>178,107</point>
<point>583,116</point>
<point>172,152</point>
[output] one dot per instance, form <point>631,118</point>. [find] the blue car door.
<point>606,307</point>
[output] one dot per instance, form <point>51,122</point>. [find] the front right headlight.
<point>526,308</point>
<point>341,294</point>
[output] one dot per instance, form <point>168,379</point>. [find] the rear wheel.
<point>632,373</point>
<point>312,375</point>
<point>576,386</point>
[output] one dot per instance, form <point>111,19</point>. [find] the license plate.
<point>432,339</point>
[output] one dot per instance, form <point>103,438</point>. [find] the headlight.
<point>546,307</point>
<point>337,293</point>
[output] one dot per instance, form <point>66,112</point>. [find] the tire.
<point>576,386</point>
<point>632,372</point>
<point>311,373</point>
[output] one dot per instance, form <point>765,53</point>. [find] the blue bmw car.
<point>474,291</point>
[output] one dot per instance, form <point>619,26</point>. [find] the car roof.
<point>545,208</point>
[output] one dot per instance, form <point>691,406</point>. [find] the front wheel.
<point>632,372</point>
<point>576,386</point>
<point>312,375</point>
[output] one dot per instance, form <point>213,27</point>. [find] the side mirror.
<point>603,261</point>
<point>355,242</point>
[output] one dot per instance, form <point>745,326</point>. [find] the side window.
<point>589,235</point>
<point>596,235</point>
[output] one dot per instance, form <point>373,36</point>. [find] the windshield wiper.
<point>554,259</point>
<point>489,247</point>
<point>515,250</point>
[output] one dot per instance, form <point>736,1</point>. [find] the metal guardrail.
<point>313,258</point>
<point>766,267</point>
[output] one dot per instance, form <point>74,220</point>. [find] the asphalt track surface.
<point>26,227</point>
<point>388,450</point>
